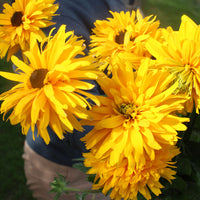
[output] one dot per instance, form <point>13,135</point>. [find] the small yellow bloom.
<point>51,87</point>
<point>21,19</point>
<point>136,117</point>
<point>179,54</point>
<point>126,184</point>
<point>123,35</point>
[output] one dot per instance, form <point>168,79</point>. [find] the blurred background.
<point>187,184</point>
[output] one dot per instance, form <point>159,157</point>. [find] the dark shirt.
<point>78,15</point>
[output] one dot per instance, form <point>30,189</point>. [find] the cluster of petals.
<point>154,75</point>
<point>126,184</point>
<point>21,19</point>
<point>179,54</point>
<point>136,117</point>
<point>51,89</point>
<point>136,121</point>
<point>124,35</point>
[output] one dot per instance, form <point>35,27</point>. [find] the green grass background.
<point>12,178</point>
<point>169,12</point>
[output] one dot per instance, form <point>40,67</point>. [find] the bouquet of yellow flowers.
<point>150,77</point>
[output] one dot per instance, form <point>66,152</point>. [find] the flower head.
<point>124,35</point>
<point>136,117</point>
<point>21,19</point>
<point>127,184</point>
<point>50,91</point>
<point>179,54</point>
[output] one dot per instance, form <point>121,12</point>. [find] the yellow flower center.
<point>128,110</point>
<point>16,19</point>
<point>185,79</point>
<point>37,78</point>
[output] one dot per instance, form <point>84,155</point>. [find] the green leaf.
<point>81,167</point>
<point>57,197</point>
<point>79,159</point>
<point>81,196</point>
<point>197,124</point>
<point>179,184</point>
<point>91,178</point>
<point>140,197</point>
<point>198,178</point>
<point>58,186</point>
<point>184,166</point>
<point>195,135</point>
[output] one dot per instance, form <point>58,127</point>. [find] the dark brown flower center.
<point>16,19</point>
<point>37,78</point>
<point>120,37</point>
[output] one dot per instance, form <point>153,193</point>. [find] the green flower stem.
<point>67,189</point>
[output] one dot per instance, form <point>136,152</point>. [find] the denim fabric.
<point>78,15</point>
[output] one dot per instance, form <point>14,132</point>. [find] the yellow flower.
<point>127,184</point>
<point>51,87</point>
<point>125,35</point>
<point>136,117</point>
<point>179,54</point>
<point>20,19</point>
